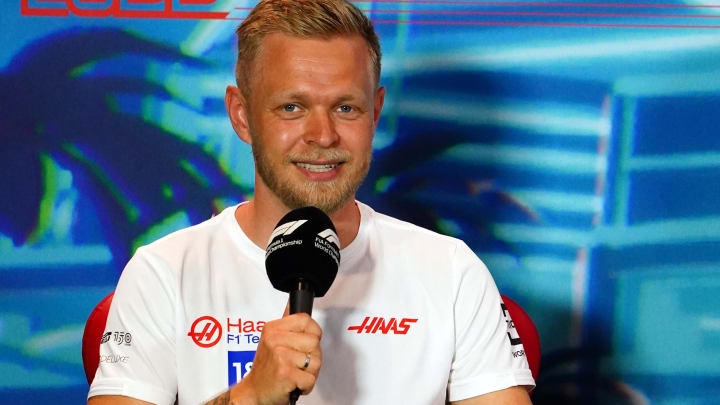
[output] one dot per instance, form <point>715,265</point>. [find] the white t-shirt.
<point>412,316</point>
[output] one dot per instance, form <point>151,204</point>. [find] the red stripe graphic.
<point>541,24</point>
<point>527,13</point>
<point>474,17</point>
<point>534,4</point>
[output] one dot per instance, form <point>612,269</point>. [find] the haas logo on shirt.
<point>206,331</point>
<point>377,324</point>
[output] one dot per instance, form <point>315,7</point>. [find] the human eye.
<point>349,111</point>
<point>290,108</point>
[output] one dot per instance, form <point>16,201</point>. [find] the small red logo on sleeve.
<point>377,324</point>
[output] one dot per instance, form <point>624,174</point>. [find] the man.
<point>412,317</point>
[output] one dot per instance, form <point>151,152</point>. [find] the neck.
<point>259,216</point>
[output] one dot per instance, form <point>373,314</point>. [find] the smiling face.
<point>312,111</point>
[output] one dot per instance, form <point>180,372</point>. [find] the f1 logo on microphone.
<point>330,236</point>
<point>287,229</point>
<point>206,331</point>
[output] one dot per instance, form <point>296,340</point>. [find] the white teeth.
<point>317,168</point>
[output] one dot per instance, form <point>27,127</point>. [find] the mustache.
<point>334,155</point>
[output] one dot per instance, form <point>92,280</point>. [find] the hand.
<point>282,352</point>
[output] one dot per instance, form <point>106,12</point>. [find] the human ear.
<point>236,107</point>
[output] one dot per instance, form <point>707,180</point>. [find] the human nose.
<point>320,130</point>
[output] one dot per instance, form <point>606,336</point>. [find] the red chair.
<point>95,326</point>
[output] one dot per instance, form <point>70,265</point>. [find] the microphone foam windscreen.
<point>304,245</point>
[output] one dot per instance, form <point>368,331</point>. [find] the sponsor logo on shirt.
<point>512,333</point>
<point>206,331</point>
<point>244,331</point>
<point>378,324</point>
<point>239,364</point>
<point>118,337</point>
<point>113,358</point>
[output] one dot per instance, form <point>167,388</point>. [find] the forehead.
<point>285,60</point>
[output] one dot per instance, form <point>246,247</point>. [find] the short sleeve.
<point>137,351</point>
<point>485,359</point>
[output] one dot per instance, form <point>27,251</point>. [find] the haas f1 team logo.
<point>377,324</point>
<point>206,331</point>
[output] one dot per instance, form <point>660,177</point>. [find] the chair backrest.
<point>528,334</point>
<point>95,326</point>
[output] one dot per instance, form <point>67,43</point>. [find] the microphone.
<point>302,258</point>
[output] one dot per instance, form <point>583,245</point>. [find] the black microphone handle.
<point>301,300</point>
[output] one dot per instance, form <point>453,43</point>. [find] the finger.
<point>314,361</point>
<point>298,341</point>
<point>299,322</point>
<point>287,309</point>
<point>296,360</point>
<point>317,354</point>
<point>304,381</point>
<point>313,328</point>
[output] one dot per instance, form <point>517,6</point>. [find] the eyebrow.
<point>293,95</point>
<point>347,97</point>
<point>302,96</point>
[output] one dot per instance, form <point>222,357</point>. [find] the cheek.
<point>279,135</point>
<point>357,136</point>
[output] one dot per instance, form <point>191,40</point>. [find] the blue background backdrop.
<point>574,146</point>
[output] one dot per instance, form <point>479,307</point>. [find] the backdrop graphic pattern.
<point>572,145</point>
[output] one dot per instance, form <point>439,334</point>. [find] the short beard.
<point>328,196</point>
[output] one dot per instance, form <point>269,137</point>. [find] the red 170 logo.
<point>205,331</point>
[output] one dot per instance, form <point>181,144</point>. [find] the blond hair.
<point>304,19</point>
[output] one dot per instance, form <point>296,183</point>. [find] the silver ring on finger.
<point>307,362</point>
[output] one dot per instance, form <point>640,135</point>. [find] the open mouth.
<point>318,168</point>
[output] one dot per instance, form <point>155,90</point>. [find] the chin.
<point>326,197</point>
